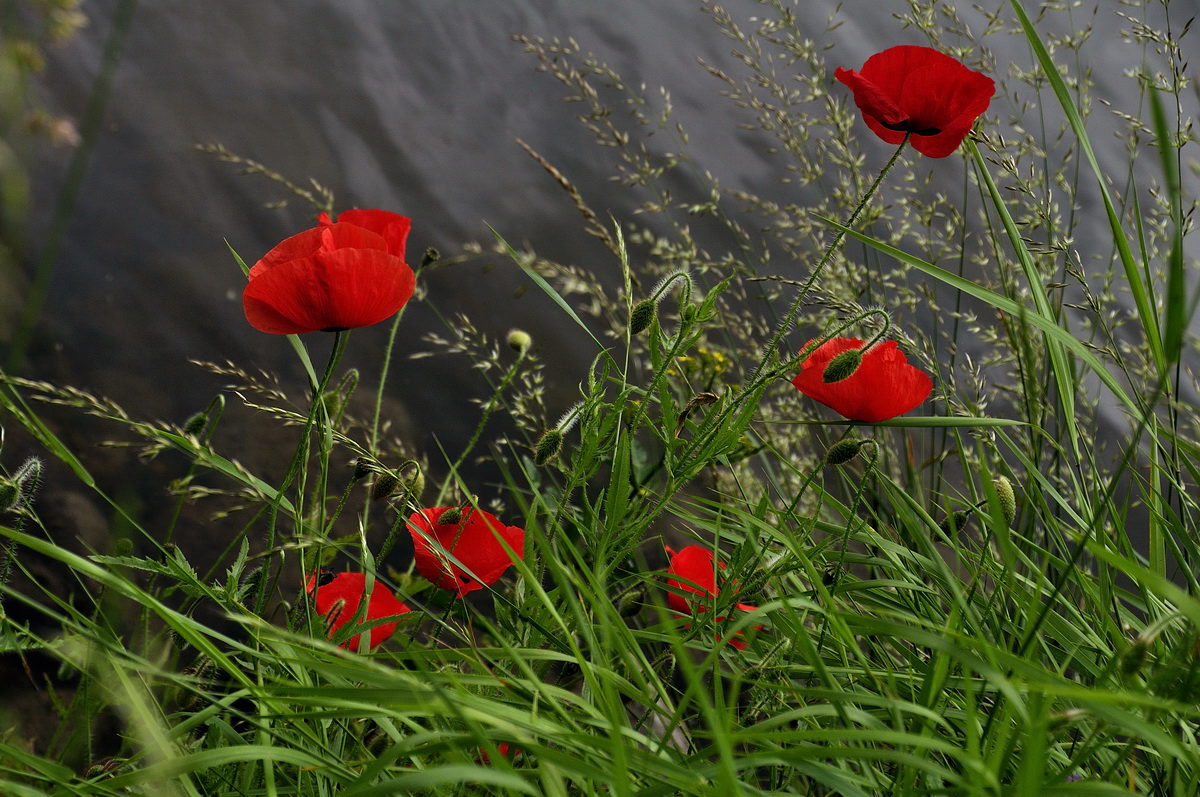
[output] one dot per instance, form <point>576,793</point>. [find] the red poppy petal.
<point>364,286</point>
<point>874,103</point>
<point>304,244</point>
<point>392,227</point>
<point>472,542</point>
<point>288,298</point>
<point>923,89</point>
<point>339,599</point>
<point>884,386</point>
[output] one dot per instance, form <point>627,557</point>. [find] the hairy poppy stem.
<point>298,458</point>
<point>771,350</point>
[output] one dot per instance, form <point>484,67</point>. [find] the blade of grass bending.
<point>548,289</point>
<point>1077,347</point>
<point>1137,287</point>
<point>1176,299</point>
<point>1064,378</point>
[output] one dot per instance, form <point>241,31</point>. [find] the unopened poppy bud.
<point>450,517</point>
<point>194,424</point>
<point>843,365</point>
<point>955,521</point>
<point>843,451</point>
<point>1007,498</point>
<point>385,486</point>
<point>519,340</point>
<point>412,480</point>
<point>364,467</point>
<point>548,447</point>
<point>27,479</point>
<point>10,496</point>
<point>430,257</point>
<point>1134,656</point>
<point>642,316</point>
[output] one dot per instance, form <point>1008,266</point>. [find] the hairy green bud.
<point>642,316</point>
<point>385,486</point>
<point>843,451</point>
<point>843,365</point>
<point>548,447</point>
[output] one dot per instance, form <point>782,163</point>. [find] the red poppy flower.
<point>921,91</point>
<point>505,749</point>
<point>337,600</point>
<point>471,539</point>
<point>883,386</point>
<point>693,569</point>
<point>333,276</point>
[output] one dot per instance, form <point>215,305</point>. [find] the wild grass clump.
<point>688,577</point>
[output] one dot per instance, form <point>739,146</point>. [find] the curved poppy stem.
<point>771,350</point>
<point>821,341</point>
<point>841,562</point>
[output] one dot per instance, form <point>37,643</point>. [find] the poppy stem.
<point>295,468</point>
<point>771,351</point>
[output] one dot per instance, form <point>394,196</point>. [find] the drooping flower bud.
<point>519,340</point>
<point>843,451</point>
<point>1007,498</point>
<point>955,521</point>
<point>843,365</point>
<point>450,517</point>
<point>385,486</point>
<point>548,447</point>
<point>193,425</point>
<point>642,316</point>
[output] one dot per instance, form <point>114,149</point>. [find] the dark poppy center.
<point>334,329</point>
<point>911,126</point>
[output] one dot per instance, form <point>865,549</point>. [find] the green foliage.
<point>997,598</point>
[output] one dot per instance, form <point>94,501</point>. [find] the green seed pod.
<point>548,447</point>
<point>843,366</point>
<point>642,316</point>
<point>843,451</point>
<point>1007,498</point>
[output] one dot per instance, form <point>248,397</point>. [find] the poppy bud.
<point>548,447</point>
<point>450,517</point>
<point>519,340</point>
<point>385,486</point>
<point>843,365</point>
<point>194,424</point>
<point>364,467</point>
<point>642,316</point>
<point>413,484</point>
<point>955,521</point>
<point>10,496</point>
<point>1007,498</point>
<point>843,451</point>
